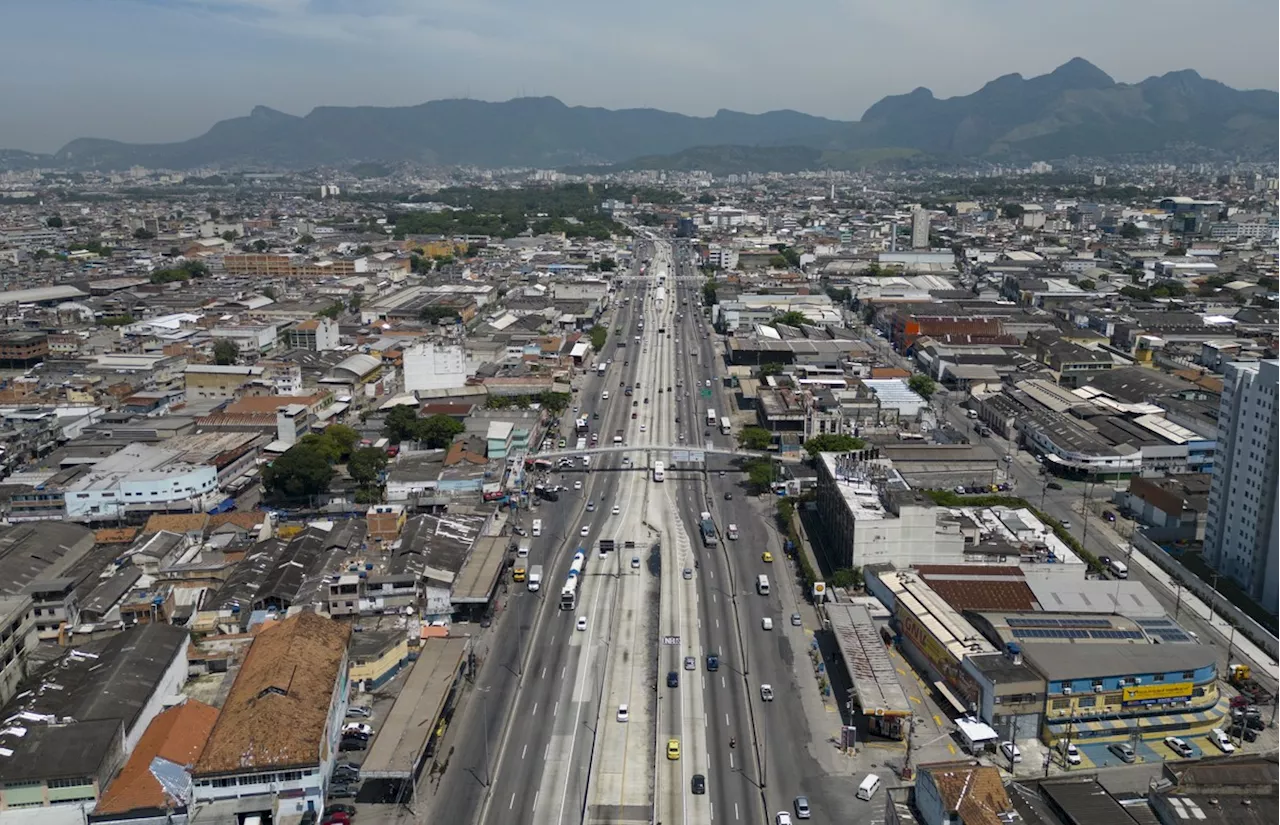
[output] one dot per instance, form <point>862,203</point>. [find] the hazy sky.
<point>161,70</point>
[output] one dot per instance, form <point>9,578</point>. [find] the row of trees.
<point>435,432</point>
<point>556,402</point>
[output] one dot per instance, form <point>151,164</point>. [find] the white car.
<point>766,693</point>
<point>358,727</point>
<point>616,509</point>
<point>783,818</point>
<point>577,485</point>
<point>623,713</point>
<point>585,531</point>
<point>1219,737</point>
<point>1011,751</point>
<point>1070,752</point>
<point>582,622</point>
<point>643,428</point>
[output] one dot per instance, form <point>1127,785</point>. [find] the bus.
<point>711,418</point>
<point>601,367</point>
<point>724,425</point>
<point>659,471</point>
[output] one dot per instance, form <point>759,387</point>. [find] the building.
<point>23,349</point>
<point>919,229</point>
<point>272,750</point>
<point>250,339</point>
<point>1172,508</point>
<point>17,636</point>
<point>431,366</point>
<point>1242,525</point>
<point>86,712</point>
<point>315,334</point>
<point>214,381</point>
<point>963,792</point>
<point>155,783</point>
<point>872,517</point>
<point>385,522</point>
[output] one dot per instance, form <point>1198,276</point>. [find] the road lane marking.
<point>544,673</point>
<point>735,811</point>
<point>535,709</point>
<point>726,720</point>
<point>512,803</point>
<point>524,750</point>
<point>722,682</point>
<point>556,710</point>
<point>562,670</point>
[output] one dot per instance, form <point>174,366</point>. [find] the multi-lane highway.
<point>544,740</point>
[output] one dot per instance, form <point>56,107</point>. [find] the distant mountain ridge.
<point>1075,110</point>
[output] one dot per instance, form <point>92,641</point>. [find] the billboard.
<point>1156,694</point>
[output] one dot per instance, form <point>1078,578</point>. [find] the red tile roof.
<point>177,735</point>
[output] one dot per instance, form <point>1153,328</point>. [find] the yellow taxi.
<point>673,748</point>
<point>766,557</point>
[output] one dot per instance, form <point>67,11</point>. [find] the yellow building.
<point>376,656</point>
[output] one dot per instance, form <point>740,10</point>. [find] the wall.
<point>378,671</point>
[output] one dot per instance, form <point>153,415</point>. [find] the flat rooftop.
<point>402,739</point>
<point>874,677</point>
<point>479,573</point>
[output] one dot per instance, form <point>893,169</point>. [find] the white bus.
<point>724,425</point>
<point>659,471</point>
<point>601,367</point>
<point>711,418</point>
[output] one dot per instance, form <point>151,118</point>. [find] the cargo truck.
<point>535,578</point>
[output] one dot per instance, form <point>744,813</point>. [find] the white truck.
<point>535,578</point>
<point>733,532</point>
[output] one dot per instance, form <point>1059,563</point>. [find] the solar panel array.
<point>1039,621</point>
<point>1076,633</point>
<point>1168,634</point>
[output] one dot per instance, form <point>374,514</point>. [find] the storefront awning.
<point>952,699</point>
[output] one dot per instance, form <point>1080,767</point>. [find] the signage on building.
<point>819,591</point>
<point>1157,694</point>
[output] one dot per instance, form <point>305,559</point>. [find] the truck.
<point>1241,678</point>
<point>707,528</point>
<point>519,570</point>
<point>535,578</point>
<point>582,443</point>
<point>537,527</point>
<point>617,436</point>
<point>732,532</point>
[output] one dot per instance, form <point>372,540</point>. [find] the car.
<point>673,679</point>
<point>591,506</point>
<point>646,399</point>
<point>766,623</point>
<point>634,404</point>
<point>635,562</point>
<point>1069,752</point>
<point>677,419</point>
<point>643,428</point>
<point>356,734</point>
<point>360,711</point>
<point>562,444</point>
<point>766,557</point>
<point>782,818</point>
<point>728,496</point>
<point>698,784</point>
<point>357,727</point>
<point>1223,742</point>
<point>1108,515</point>
<point>344,777</point>
<point>673,749</point>
<point>690,663</point>
<point>340,808</point>
<point>802,807</point>
<point>582,622</point>
<point>1179,746</point>
<point>633,416</point>
<point>722,473</point>
<point>1066,524</point>
<point>585,531</point>
<point>624,713</point>
<point>1105,561</point>
<point>342,791</point>
<point>1011,751</point>
<point>616,509</point>
<point>348,744</point>
<point>337,818</point>
<point>1053,485</point>
<point>1124,752</point>
<point>577,485</point>
<point>688,573</point>
<point>766,693</point>
<point>706,433</point>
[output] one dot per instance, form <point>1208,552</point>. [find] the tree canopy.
<point>225,352</point>
<point>833,443</point>
<point>366,464</point>
<point>791,319</point>
<point>755,438</point>
<point>599,335</point>
<point>436,432</point>
<point>303,471</point>
<point>922,385</point>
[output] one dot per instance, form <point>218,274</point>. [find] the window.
<point>70,782</point>
<point>1087,702</point>
<point>1159,677</point>
<point>1188,674</point>
<point>1061,704</point>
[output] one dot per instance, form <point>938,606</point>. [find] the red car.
<point>337,818</point>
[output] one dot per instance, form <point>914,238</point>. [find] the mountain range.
<point>1077,109</point>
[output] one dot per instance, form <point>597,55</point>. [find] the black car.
<point>699,783</point>
<point>1105,561</point>
<point>673,679</point>
<point>1053,485</point>
<point>728,496</point>
<point>353,745</point>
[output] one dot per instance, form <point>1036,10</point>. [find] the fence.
<point>1247,627</point>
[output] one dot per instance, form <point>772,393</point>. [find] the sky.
<point>166,70</point>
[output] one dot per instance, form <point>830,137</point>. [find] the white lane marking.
<point>712,806</point>
<point>553,640</point>
<point>726,720</point>
<point>536,797</point>
<point>524,750</point>
<point>713,598</point>
<point>544,674</point>
<point>535,709</point>
<point>735,811</point>
<point>555,711</point>
<point>717,622</point>
<point>731,766</point>
<point>722,684</point>
<point>546,752</point>
<point>512,803</point>
<point>562,670</point>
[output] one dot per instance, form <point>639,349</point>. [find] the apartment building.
<point>1241,528</point>
<point>315,335</point>
<point>23,349</point>
<point>17,636</point>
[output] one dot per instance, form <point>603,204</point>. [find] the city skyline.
<point>128,71</point>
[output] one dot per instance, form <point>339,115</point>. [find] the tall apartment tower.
<point>1242,531</point>
<point>919,229</point>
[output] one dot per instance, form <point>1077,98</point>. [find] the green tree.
<point>1012,211</point>
<point>260,245</point>
<point>307,240</point>
<point>53,222</point>
<point>922,385</point>
<point>755,438</point>
<point>302,471</point>
<point>556,402</point>
<point>225,352</point>
<point>599,335</point>
<point>833,443</point>
<point>333,311</point>
<point>709,296</point>
<point>1130,232</point>
<point>438,431</point>
<point>400,423</point>
<point>344,438</point>
<point>791,319</point>
<point>143,234</point>
<point>1087,284</point>
<point>759,474</point>
<point>847,577</point>
<point>117,320</point>
<point>777,262</point>
<point>366,464</point>
<point>1175,252</point>
<point>214,214</point>
<point>436,314</point>
<point>473,249</point>
<point>770,368</point>
<point>325,446</point>
<point>230,235</point>
<point>608,264</point>
<point>168,276</point>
